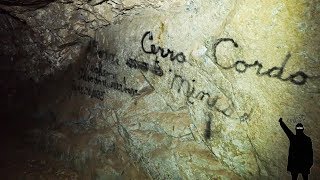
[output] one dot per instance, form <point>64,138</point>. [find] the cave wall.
<point>168,89</point>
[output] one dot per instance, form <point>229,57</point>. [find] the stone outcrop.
<point>168,89</point>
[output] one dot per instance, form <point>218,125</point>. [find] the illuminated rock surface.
<point>168,89</point>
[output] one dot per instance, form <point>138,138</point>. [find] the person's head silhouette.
<point>299,129</point>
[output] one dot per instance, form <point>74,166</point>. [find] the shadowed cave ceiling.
<point>146,89</point>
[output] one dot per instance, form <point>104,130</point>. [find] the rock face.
<point>169,89</point>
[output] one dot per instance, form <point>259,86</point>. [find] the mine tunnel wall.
<point>162,90</point>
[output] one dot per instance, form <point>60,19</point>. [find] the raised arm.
<point>288,132</point>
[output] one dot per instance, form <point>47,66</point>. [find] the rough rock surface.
<point>168,89</point>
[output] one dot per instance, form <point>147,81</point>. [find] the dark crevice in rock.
<point>29,3</point>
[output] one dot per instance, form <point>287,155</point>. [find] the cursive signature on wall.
<point>153,49</point>
<point>298,78</point>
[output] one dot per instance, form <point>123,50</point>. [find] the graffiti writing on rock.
<point>120,86</point>
<point>153,49</point>
<point>187,87</point>
<point>155,69</point>
<point>88,91</point>
<point>98,70</point>
<point>98,76</point>
<point>207,131</point>
<point>298,78</point>
<point>103,55</point>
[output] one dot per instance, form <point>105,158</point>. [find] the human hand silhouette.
<point>280,120</point>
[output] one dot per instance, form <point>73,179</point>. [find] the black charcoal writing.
<point>87,91</point>
<point>97,75</point>
<point>153,49</point>
<point>105,56</point>
<point>102,55</point>
<point>187,87</point>
<point>113,85</point>
<point>101,72</point>
<point>155,69</point>
<point>298,78</point>
<point>207,132</point>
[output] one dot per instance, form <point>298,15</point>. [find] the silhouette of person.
<point>300,157</point>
